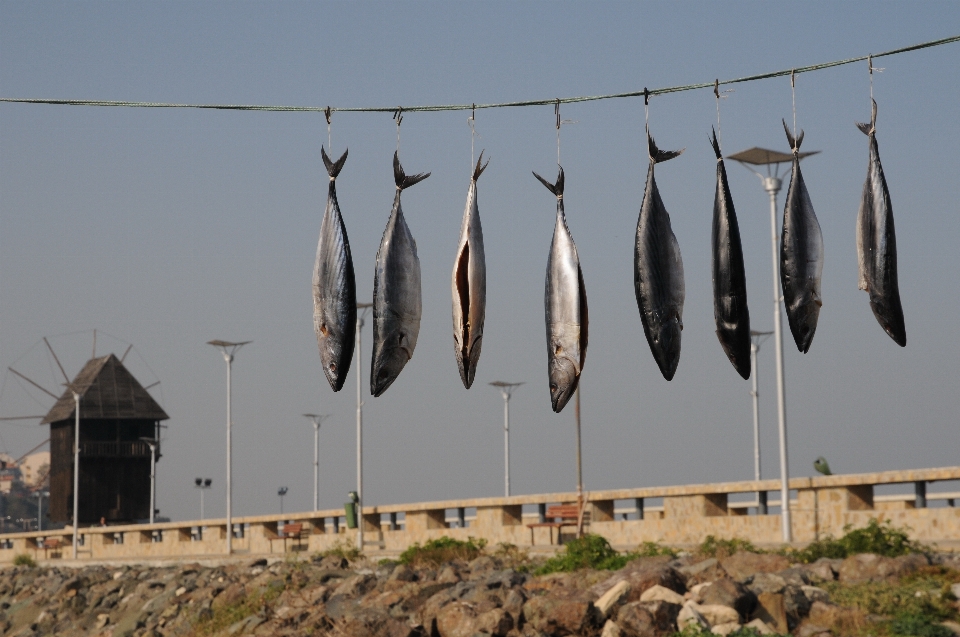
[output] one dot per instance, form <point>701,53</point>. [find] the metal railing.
<point>114,449</point>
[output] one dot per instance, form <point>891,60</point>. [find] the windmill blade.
<point>19,418</point>
<point>54,354</point>
<point>44,390</point>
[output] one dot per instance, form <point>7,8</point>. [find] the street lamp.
<point>282,491</point>
<point>772,183</point>
<point>756,338</point>
<point>361,314</point>
<point>316,419</point>
<point>228,349</point>
<point>153,475</point>
<point>203,484</point>
<point>506,390</point>
<point>41,494</point>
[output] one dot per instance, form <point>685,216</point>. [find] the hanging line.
<point>471,122</point>
<point>556,110</point>
<point>329,143</point>
<point>793,94</point>
<point>467,107</point>
<point>398,116</point>
<point>872,69</point>
<point>720,95</point>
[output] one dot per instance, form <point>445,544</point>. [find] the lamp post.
<point>506,390</point>
<point>361,314</point>
<point>76,471</point>
<point>282,491</point>
<point>771,184</point>
<point>41,494</point>
<point>316,420</point>
<point>228,350</point>
<point>203,484</point>
<point>756,338</point>
<point>153,443</point>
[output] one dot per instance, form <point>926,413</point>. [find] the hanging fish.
<point>334,287</point>
<point>729,278</point>
<point>801,255</point>
<point>469,286</point>
<point>565,307</point>
<point>397,302</point>
<point>658,271</point>
<point>877,243</point>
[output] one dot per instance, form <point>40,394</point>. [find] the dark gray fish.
<point>877,243</point>
<point>658,271</point>
<point>801,255</point>
<point>565,308</point>
<point>729,277</point>
<point>334,287</point>
<point>397,303</point>
<point>469,286</point>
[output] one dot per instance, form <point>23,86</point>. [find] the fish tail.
<point>557,188</point>
<point>794,141</point>
<point>869,129</point>
<point>716,144</point>
<point>479,169</point>
<point>333,168</point>
<point>656,155</point>
<point>403,180</point>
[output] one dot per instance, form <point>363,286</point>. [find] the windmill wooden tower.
<point>116,414</point>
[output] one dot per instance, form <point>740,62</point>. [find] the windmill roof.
<point>107,390</point>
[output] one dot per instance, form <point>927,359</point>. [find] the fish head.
<point>331,356</point>
<point>665,332</point>
<point>467,359</point>
<point>389,359</point>
<point>335,337</point>
<point>564,378</point>
<point>804,324</point>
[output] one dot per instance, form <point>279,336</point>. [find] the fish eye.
<point>558,350</point>
<point>554,387</point>
<point>323,329</point>
<point>333,367</point>
<point>383,374</point>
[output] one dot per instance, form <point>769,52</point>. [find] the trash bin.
<point>350,510</point>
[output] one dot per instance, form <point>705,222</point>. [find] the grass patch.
<point>925,593</point>
<point>225,616</point>
<point>24,559</point>
<point>720,548</point>
<point>346,549</point>
<point>513,556</point>
<point>436,552</point>
<point>653,549</point>
<point>881,538</point>
<point>589,551</point>
<point>695,630</point>
<point>918,626</point>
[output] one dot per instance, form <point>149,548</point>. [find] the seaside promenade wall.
<point>821,506</point>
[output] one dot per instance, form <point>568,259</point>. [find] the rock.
<point>647,619</point>
<point>811,630</point>
<point>102,620</point>
<point>255,563</point>
<point>955,589</point>
<point>332,561</point>
<point>742,565</point>
<point>230,595</point>
<point>690,615</point>
<point>402,573</point>
<point>725,629</point>
<point>496,622</point>
<point>642,574</point>
<point>772,610</point>
<point>448,575</point>
<point>760,626</point>
<point>661,594</point>
<point>697,590</point>
<point>704,571</point>
<point>795,604</point>
<point>611,629</point>
<point>954,626</point>
<point>505,579</point>
<point>766,583</point>
<point>484,564</point>
<point>558,616</point>
<point>612,596</point>
<point>717,614</point>
<point>457,619</point>
<point>513,602</point>
<point>795,575</point>
<point>823,570</point>
<point>815,594</point>
<point>867,567</point>
<point>726,592</point>
<point>356,586</point>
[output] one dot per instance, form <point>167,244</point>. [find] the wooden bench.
<point>52,544</point>
<point>559,516</point>
<point>293,531</point>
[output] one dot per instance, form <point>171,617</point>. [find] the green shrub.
<point>652,549</point>
<point>436,552</point>
<point>513,556</point>
<point>23,559</point>
<point>923,594</point>
<point>880,538</point>
<point>346,549</point>
<point>720,548</point>
<point>590,551</point>
<point>918,626</point>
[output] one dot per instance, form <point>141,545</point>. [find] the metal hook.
<point>646,96</point>
<point>473,112</point>
<point>793,78</point>
<point>716,88</point>
<point>327,114</point>
<point>870,63</point>
<point>556,111</point>
<point>398,115</point>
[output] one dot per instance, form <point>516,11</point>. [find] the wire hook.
<point>327,113</point>
<point>716,88</point>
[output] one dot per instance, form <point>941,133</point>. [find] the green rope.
<point>467,107</point>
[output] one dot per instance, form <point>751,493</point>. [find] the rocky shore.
<point>490,595</point>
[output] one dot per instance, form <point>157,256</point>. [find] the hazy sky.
<point>168,228</point>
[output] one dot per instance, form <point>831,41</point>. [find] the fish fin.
<point>479,169</point>
<point>715,144</point>
<point>557,188</point>
<point>869,129</point>
<point>794,141</point>
<point>333,168</point>
<point>403,180</point>
<point>658,156</point>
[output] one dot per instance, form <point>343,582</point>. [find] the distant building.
<point>9,472</point>
<point>116,413</point>
<point>35,469</point>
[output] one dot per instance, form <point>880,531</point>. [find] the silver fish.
<point>397,300</point>
<point>729,276</point>
<point>565,305</point>
<point>658,271</point>
<point>877,243</point>
<point>801,255</point>
<point>334,287</point>
<point>469,286</point>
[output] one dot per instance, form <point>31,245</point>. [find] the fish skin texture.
<point>658,272</point>
<point>565,308</point>
<point>801,256</point>
<point>334,287</point>
<point>397,300</point>
<point>877,244</point>
<point>469,286</point>
<point>729,275</point>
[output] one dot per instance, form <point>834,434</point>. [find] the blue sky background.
<point>168,228</point>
